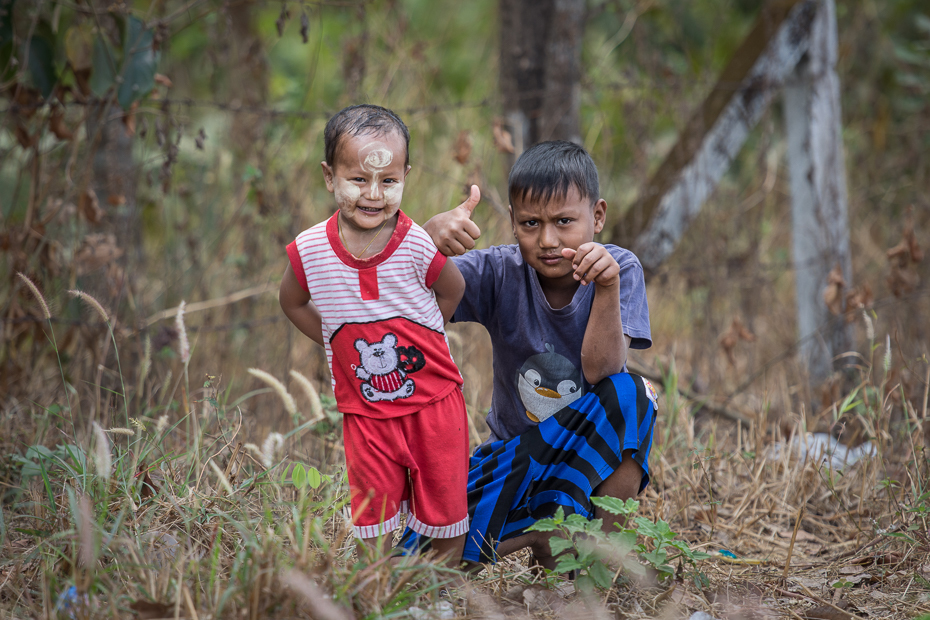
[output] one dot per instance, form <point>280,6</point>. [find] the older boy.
<point>562,311</point>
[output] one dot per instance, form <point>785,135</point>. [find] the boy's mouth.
<point>550,259</point>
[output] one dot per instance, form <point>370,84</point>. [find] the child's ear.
<point>600,215</point>
<point>328,176</point>
<point>406,172</point>
<point>513,224</point>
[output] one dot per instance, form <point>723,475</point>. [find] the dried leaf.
<point>304,27</point>
<point>22,136</point>
<point>116,200</point>
<point>462,149</point>
<point>199,139</point>
<point>164,80</point>
<point>89,206</point>
<point>147,610</point>
<point>129,119</point>
<point>729,339</point>
<point>96,250</point>
<point>503,141</point>
<point>57,125</point>
<point>282,20</point>
<point>833,293</point>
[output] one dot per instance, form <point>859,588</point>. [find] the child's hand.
<point>593,263</point>
<point>454,232</point>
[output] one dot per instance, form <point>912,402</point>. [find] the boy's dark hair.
<point>549,169</point>
<point>359,119</point>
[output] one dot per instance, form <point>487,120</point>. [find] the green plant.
<point>593,550</point>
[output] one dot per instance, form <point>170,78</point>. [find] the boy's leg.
<point>594,434</point>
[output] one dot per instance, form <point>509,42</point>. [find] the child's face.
<point>367,178</point>
<point>543,230</point>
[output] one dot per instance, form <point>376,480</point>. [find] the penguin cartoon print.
<point>547,382</point>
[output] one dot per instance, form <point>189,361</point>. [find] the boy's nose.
<point>548,237</point>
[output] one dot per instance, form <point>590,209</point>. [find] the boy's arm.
<point>449,288</point>
<point>296,304</point>
<point>454,232</point>
<point>604,347</point>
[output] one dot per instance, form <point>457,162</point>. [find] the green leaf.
<point>543,525</point>
<point>624,540</point>
<point>41,51</point>
<point>103,61</point>
<point>568,563</point>
<point>558,544</point>
<point>314,478</point>
<point>299,476</point>
<point>616,506</point>
<point>601,575</point>
<point>140,61</point>
<point>584,583</point>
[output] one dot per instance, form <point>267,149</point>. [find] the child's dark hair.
<point>359,119</point>
<point>549,169</point>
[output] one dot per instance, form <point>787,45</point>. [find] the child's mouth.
<point>371,210</point>
<point>550,260</point>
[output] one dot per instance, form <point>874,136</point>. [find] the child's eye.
<point>565,220</point>
<point>359,180</point>
<point>530,223</point>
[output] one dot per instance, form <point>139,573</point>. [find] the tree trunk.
<point>820,228</point>
<point>540,69</point>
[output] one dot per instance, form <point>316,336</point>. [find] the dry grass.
<point>181,520</point>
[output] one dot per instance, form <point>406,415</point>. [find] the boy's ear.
<point>600,215</point>
<point>406,172</point>
<point>328,175</point>
<point>513,225</point>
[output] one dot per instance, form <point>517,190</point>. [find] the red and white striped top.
<point>383,331</point>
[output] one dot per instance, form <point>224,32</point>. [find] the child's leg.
<point>368,546</point>
<point>623,484</point>
<point>450,550</point>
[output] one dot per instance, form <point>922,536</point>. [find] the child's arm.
<point>449,288</point>
<point>605,346</point>
<point>453,232</point>
<point>302,312</point>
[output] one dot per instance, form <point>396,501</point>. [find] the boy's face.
<point>543,230</point>
<point>367,178</point>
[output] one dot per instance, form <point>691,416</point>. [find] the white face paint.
<point>374,157</point>
<point>347,193</point>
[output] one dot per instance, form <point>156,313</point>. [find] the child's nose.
<point>548,237</point>
<point>374,190</point>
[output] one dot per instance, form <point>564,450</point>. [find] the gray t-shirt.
<point>537,350</point>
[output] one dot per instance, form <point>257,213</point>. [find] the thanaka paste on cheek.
<point>347,193</point>
<point>393,195</point>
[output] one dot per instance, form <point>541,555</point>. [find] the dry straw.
<point>289,404</point>
<point>102,460</point>
<point>37,294</point>
<point>316,407</point>
<point>183,343</point>
<point>93,303</point>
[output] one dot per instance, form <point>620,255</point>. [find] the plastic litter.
<point>823,449</point>
<point>443,610</point>
<point>701,615</point>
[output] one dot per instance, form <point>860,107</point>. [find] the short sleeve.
<point>634,307</point>
<point>480,268</point>
<point>428,259</point>
<point>293,255</point>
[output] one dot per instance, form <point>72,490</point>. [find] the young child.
<point>566,421</point>
<point>370,286</point>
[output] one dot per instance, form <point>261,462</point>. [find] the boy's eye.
<point>565,220</point>
<point>530,223</point>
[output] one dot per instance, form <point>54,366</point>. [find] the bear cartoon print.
<point>384,368</point>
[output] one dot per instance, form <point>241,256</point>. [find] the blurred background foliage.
<point>224,115</point>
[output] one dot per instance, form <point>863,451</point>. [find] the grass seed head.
<point>121,431</point>
<point>93,303</point>
<point>103,462</point>
<point>886,362</point>
<point>289,404</point>
<point>273,443</point>
<point>316,407</point>
<point>183,343</point>
<point>37,294</point>
<point>161,425</point>
<point>869,327</point>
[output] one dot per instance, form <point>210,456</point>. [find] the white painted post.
<point>820,228</point>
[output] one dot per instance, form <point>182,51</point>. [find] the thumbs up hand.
<point>454,232</point>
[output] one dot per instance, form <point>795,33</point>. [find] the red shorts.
<point>417,464</point>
